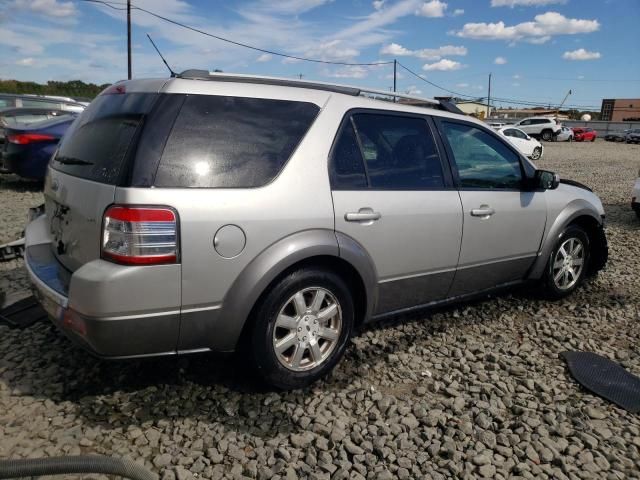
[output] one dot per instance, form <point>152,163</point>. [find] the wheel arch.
<point>309,248</point>
<point>579,212</point>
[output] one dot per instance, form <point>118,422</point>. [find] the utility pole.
<point>561,104</point>
<point>129,39</point>
<point>395,66</point>
<point>489,98</point>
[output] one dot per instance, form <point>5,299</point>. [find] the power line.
<point>233,42</point>
<point>434,84</point>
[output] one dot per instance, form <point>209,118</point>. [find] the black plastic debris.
<point>605,378</point>
<point>23,313</point>
<point>12,250</point>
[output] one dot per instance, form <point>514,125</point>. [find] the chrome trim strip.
<point>201,309</point>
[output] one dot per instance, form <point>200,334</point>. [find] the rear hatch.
<point>92,159</point>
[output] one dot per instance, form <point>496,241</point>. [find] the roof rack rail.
<point>194,74</point>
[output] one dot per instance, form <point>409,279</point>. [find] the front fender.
<point>575,209</point>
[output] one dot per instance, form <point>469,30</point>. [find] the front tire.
<point>536,154</point>
<point>302,327</point>
<point>568,263</point>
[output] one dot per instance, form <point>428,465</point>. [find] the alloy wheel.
<point>307,329</point>
<point>568,263</point>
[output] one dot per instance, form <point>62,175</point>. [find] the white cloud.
<point>539,30</point>
<point>413,90</point>
<point>580,77</point>
<point>378,4</point>
<point>399,76</point>
<point>515,84</point>
<point>462,85</point>
<point>25,62</point>
<point>524,3</point>
<point>334,50</point>
<point>500,61</point>
<point>432,8</point>
<point>292,7</point>
<point>354,71</point>
<point>517,77</point>
<point>444,65</point>
<point>458,12</point>
<point>395,49</point>
<point>581,54</point>
<point>49,8</point>
<point>361,31</point>
<point>265,57</point>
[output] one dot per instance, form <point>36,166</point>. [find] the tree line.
<point>72,88</point>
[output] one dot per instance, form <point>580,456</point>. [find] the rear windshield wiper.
<point>72,161</point>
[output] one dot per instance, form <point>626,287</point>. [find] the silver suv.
<point>217,212</point>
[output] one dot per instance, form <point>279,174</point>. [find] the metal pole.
<point>129,39</point>
<point>395,64</point>
<point>489,98</point>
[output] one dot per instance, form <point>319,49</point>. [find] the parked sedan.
<point>616,136</point>
<point>584,134</point>
<point>528,146</point>
<point>28,148</point>
<point>633,136</point>
<point>565,135</point>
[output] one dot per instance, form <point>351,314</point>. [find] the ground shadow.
<point>18,184</point>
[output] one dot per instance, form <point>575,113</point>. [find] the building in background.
<point>476,107</point>
<point>620,109</point>
<point>518,113</point>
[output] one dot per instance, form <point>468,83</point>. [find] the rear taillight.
<point>140,235</point>
<point>27,138</point>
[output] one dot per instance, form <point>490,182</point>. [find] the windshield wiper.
<point>72,161</point>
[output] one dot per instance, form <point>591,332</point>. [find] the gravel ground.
<point>467,392</point>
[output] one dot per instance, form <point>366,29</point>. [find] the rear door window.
<point>232,142</point>
<point>97,143</point>
<point>400,152</point>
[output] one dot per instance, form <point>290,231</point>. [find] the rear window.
<point>96,146</point>
<point>232,142</point>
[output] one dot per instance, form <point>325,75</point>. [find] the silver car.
<point>213,212</point>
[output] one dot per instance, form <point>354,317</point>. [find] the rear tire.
<point>568,263</point>
<point>301,328</point>
<point>547,135</point>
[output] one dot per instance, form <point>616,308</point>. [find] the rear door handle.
<point>484,211</point>
<point>362,215</point>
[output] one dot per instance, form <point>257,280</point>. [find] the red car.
<point>584,134</point>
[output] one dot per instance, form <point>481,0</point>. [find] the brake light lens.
<point>27,138</point>
<point>115,90</point>
<point>140,235</point>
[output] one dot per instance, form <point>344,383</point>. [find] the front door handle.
<point>362,215</point>
<point>485,211</point>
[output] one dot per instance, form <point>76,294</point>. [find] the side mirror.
<point>546,180</point>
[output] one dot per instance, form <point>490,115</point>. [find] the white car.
<point>565,135</point>
<point>540,127</point>
<point>635,196</point>
<point>497,125</point>
<point>528,146</point>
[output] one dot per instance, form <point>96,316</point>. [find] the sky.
<point>536,50</point>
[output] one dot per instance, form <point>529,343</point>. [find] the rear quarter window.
<point>232,142</point>
<point>95,147</point>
